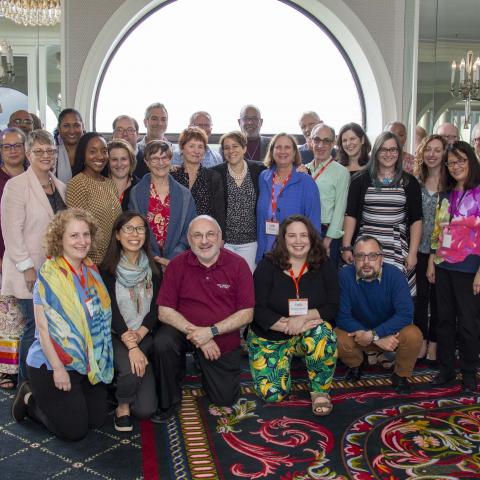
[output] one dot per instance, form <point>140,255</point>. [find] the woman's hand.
<point>280,325</point>
<point>308,324</point>
<point>294,325</point>
<point>347,257</point>
<point>61,378</point>
<point>130,338</point>
<point>431,270</point>
<point>138,361</point>
<point>30,276</point>
<point>411,261</point>
<point>162,261</point>
<point>476,283</point>
<point>302,169</point>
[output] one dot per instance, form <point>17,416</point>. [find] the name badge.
<point>272,227</point>
<point>89,305</point>
<point>297,306</point>
<point>447,240</point>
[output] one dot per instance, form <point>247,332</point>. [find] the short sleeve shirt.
<point>208,295</point>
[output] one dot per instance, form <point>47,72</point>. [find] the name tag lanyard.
<point>453,210</point>
<point>297,306</point>
<point>274,200</point>
<point>323,169</point>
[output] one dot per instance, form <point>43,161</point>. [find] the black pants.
<point>425,297</point>
<point>220,378</point>
<point>138,392</point>
<point>457,303</point>
<point>68,415</point>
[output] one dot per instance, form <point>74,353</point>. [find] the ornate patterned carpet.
<point>373,433</point>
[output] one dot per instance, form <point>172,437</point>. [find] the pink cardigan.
<point>25,214</point>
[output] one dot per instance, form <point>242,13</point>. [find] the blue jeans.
<point>26,304</point>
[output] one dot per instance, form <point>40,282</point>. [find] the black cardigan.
<point>273,288</point>
<point>118,323</point>
<point>359,185</point>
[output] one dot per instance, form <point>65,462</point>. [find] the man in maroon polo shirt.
<point>205,298</point>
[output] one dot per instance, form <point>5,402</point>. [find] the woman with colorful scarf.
<point>133,280</point>
<point>71,359</point>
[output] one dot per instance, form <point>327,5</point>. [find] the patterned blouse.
<point>429,204</point>
<point>158,215</point>
<point>241,215</point>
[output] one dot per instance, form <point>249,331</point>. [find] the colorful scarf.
<point>85,346</point>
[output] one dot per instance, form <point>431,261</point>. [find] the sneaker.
<point>19,407</point>
<point>123,423</point>
<point>163,415</point>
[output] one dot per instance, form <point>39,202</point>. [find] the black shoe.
<point>162,415</point>
<point>123,423</point>
<point>401,385</point>
<point>19,407</point>
<point>469,383</point>
<point>353,374</point>
<point>442,378</point>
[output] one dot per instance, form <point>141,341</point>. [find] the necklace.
<point>252,156</point>
<point>238,176</point>
<point>48,184</point>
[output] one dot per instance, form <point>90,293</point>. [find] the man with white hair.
<point>205,299</point>
<point>476,139</point>
<point>449,132</point>
<point>307,121</point>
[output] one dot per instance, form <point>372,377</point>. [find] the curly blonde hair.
<point>53,243</point>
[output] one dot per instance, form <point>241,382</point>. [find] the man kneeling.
<point>376,314</point>
<point>205,298</point>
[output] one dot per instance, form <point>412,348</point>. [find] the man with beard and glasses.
<point>376,314</point>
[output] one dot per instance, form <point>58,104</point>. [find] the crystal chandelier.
<point>7,72</point>
<point>468,88</point>
<point>33,13</point>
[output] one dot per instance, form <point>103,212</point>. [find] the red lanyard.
<point>80,277</point>
<point>121,196</point>
<point>296,281</point>
<point>274,201</point>
<point>323,168</point>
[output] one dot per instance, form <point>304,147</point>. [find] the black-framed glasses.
<point>7,147</point>
<point>372,257</point>
<point>388,151</point>
<point>121,131</point>
<point>140,229</point>
<point>459,161</point>
<point>325,141</point>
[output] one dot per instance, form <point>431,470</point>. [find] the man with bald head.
<point>250,123</point>
<point>307,121</point>
<point>400,130</point>
<point>205,299</point>
<point>449,132</point>
<point>21,119</point>
<point>476,139</point>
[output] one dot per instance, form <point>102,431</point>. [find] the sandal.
<point>321,404</point>
<point>6,382</point>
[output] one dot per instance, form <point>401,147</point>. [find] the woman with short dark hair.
<point>296,300</point>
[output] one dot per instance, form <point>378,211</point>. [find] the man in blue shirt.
<point>376,314</point>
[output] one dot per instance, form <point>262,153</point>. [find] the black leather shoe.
<point>19,407</point>
<point>469,383</point>
<point>163,415</point>
<point>401,385</point>
<point>442,378</point>
<point>353,374</point>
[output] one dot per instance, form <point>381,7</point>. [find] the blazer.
<point>25,215</point>
<point>182,212</point>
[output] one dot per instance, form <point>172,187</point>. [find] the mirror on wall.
<point>37,84</point>
<point>447,31</point>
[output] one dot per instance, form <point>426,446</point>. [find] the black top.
<point>118,323</point>
<point>126,193</point>
<point>56,201</point>
<point>141,168</point>
<point>359,185</point>
<point>273,288</point>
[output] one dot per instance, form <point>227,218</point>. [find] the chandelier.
<point>7,72</point>
<point>468,87</point>
<point>33,13</point>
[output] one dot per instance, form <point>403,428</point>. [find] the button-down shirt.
<point>210,159</point>
<point>333,186</point>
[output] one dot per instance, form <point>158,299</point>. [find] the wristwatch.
<point>375,336</point>
<point>214,330</point>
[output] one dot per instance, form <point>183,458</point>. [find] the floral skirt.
<point>12,324</point>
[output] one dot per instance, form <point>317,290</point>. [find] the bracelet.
<point>136,346</point>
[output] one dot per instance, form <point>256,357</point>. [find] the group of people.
<point>123,256</point>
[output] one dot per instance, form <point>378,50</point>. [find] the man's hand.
<point>389,343</point>
<point>210,350</point>
<point>199,335</point>
<point>362,337</point>
<point>326,243</point>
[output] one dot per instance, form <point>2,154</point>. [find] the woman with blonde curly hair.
<point>71,359</point>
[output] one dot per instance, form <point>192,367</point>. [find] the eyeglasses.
<point>388,151</point>
<point>476,140</point>
<point>12,146</point>
<point>251,119</point>
<point>197,236</point>
<point>19,121</point>
<point>325,141</point>
<point>39,152</point>
<point>157,160</point>
<point>121,131</point>
<point>141,229</point>
<point>450,138</point>
<point>372,257</point>
<point>459,162</point>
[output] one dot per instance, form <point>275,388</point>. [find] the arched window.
<point>217,55</point>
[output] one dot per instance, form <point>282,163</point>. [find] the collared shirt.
<point>378,277</point>
<point>208,295</point>
<point>332,184</point>
<point>210,159</point>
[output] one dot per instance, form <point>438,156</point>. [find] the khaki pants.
<point>409,344</point>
